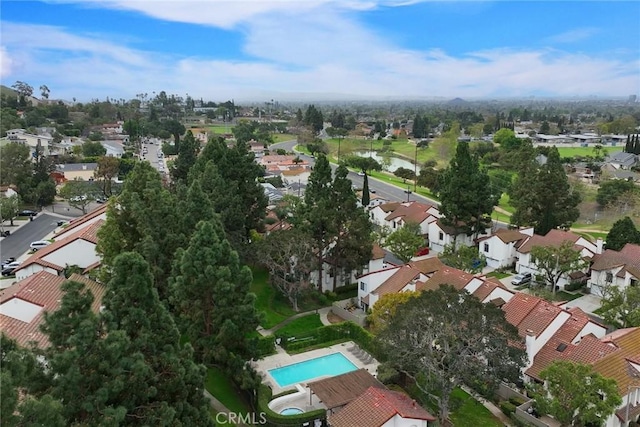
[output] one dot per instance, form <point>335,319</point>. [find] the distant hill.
<point>457,101</point>
<point>4,90</point>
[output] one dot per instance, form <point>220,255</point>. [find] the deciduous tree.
<point>77,193</point>
<point>621,307</point>
<point>445,338</point>
<point>289,257</point>
<point>405,241</point>
<point>15,164</point>
<point>385,309</point>
<point>553,262</point>
<point>576,395</point>
<point>93,149</point>
<point>9,208</point>
<point>108,169</point>
<point>465,258</point>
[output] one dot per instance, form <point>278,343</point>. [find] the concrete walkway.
<point>490,406</point>
<point>323,312</point>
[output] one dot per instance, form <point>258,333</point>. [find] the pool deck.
<point>348,349</point>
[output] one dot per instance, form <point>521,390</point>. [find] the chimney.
<point>599,245</point>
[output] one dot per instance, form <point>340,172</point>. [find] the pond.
<point>388,161</point>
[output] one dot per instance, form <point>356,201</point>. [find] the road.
<point>152,156</point>
<point>18,242</point>
<point>381,188</point>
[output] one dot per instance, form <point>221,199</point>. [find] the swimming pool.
<point>331,364</point>
<point>291,411</point>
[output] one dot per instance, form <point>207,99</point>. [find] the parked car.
<point>5,233</point>
<point>27,212</point>
<point>521,279</point>
<point>8,269</point>
<point>423,251</point>
<point>8,261</point>
<point>39,244</point>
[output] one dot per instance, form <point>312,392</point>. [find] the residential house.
<point>257,148</point>
<point>441,235</point>
<point>381,408</point>
<point>334,393</point>
<point>622,160</point>
<point>373,285</point>
<point>395,215</point>
<point>555,238</point>
<point>297,174</point>
<point>500,249</point>
<point>32,141</point>
<point>77,224</point>
<point>273,194</point>
<point>81,171</point>
<point>615,268</point>
<point>374,200</point>
<point>24,304</point>
<point>78,249</point>
<point>614,139</point>
<point>8,190</point>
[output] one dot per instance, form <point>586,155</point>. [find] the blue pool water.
<point>331,364</point>
<point>291,411</point>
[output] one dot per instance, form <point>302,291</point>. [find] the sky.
<point>259,50</point>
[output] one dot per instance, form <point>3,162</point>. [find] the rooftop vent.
<point>561,347</point>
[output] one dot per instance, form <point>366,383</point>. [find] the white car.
<point>39,244</point>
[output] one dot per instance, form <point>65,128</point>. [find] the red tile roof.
<point>43,289</point>
<point>75,223</point>
<point>616,365</point>
<point>413,212</point>
<point>377,252</point>
<point>389,207</point>
<point>628,256</point>
<point>519,307</point>
<point>342,389</point>
<point>398,280</point>
<point>553,238</point>
<point>90,234</point>
<point>485,289</point>
<point>375,407</point>
<point>508,236</point>
<point>447,276</point>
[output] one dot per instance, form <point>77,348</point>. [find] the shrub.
<point>265,396</point>
<point>347,289</point>
<point>266,346</point>
<point>507,408</point>
<point>517,401</point>
<point>574,286</point>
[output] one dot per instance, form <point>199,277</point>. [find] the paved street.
<point>152,156</point>
<point>18,242</point>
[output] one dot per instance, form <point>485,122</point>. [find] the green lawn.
<point>280,137</point>
<point>219,129</point>
<point>301,325</point>
<point>566,296</point>
<point>498,275</point>
<point>585,151</point>
<point>269,301</point>
<point>223,389</point>
<point>471,413</point>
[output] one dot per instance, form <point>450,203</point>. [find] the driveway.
<point>587,303</point>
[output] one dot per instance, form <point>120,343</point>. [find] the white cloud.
<point>6,63</point>
<point>572,36</point>
<point>312,47</point>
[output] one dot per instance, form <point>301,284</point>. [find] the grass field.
<point>268,301</point>
<point>223,389</point>
<point>471,413</point>
<point>302,324</point>
<point>585,151</point>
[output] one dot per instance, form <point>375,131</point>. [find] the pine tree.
<point>187,155</point>
<point>542,195</point>
<point>162,385</point>
<point>365,191</point>
<point>215,309</point>
<point>622,232</point>
<point>628,147</point>
<point>318,210</point>
<point>465,194</point>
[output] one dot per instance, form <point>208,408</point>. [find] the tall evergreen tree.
<point>137,221</point>
<point>215,309</point>
<point>187,155</point>
<point>318,210</point>
<point>365,191</point>
<point>543,196</point>
<point>352,240</point>
<point>465,194</point>
<point>628,148</point>
<point>622,232</point>
<point>163,385</point>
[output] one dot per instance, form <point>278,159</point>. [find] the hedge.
<point>335,332</point>
<point>507,408</point>
<point>266,346</point>
<point>276,420</point>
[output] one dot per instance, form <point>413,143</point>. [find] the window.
<point>486,247</point>
<point>609,278</point>
<point>633,282</point>
<point>440,235</point>
<point>363,286</point>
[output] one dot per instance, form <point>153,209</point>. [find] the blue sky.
<point>322,49</point>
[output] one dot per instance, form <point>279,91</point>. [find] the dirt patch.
<point>334,318</point>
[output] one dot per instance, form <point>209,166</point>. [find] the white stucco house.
<point>500,248</point>
<point>80,223</point>
<point>32,141</point>
<point>615,268</point>
<point>78,249</point>
<point>395,215</point>
<point>441,235</point>
<point>555,238</point>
